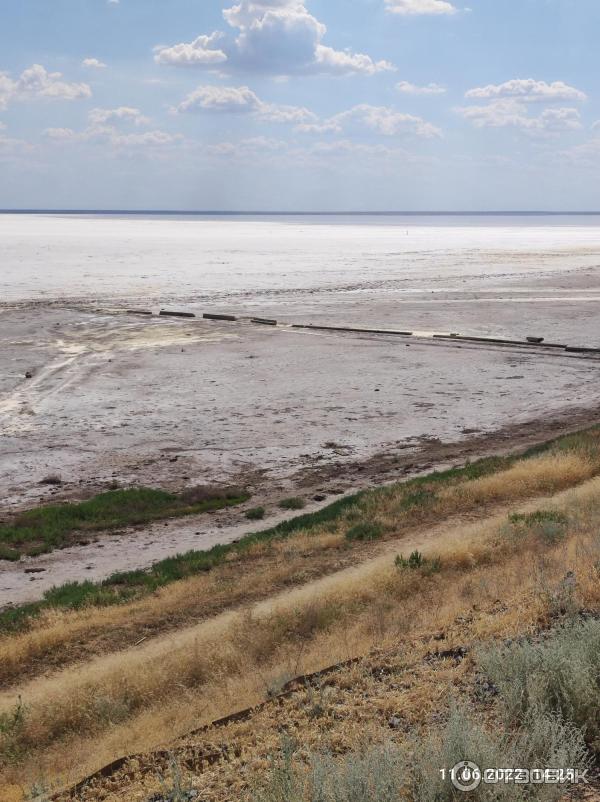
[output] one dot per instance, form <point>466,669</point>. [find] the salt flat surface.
<point>199,259</point>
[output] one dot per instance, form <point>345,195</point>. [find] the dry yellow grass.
<point>549,473</point>
<point>48,640</point>
<point>133,700</point>
<point>514,593</point>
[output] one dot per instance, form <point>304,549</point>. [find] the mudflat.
<point>96,396</point>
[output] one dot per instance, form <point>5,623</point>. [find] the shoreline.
<point>140,547</point>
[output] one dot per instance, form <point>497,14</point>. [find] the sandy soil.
<point>283,411</point>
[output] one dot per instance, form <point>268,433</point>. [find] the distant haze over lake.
<point>228,257</point>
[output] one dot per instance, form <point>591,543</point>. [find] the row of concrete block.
<point>531,342</point>
<point>206,316</point>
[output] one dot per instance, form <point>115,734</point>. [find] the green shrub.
<point>375,775</point>
<point>6,553</point>
<point>417,561</point>
<point>539,516</point>
<point>175,787</point>
<point>256,514</point>
<point>422,497</point>
<point>365,531</point>
<point>294,503</point>
<point>11,726</point>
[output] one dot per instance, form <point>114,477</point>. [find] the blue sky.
<point>300,104</point>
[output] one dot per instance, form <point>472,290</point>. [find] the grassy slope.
<point>227,662</point>
<point>489,588</point>
<point>401,505</point>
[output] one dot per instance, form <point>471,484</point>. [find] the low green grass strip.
<point>51,527</point>
<point>125,586</point>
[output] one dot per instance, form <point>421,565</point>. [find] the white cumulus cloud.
<point>113,127</point>
<point>413,8</point>
<point>517,103</point>
<point>123,113</point>
<point>60,134</point>
<point>528,90</point>
<point>241,100</point>
<point>406,88</point>
<point>220,98</point>
<point>109,135</point>
<point>200,52</point>
<point>381,119</point>
<point>278,37</point>
<point>388,121</point>
<point>147,139</point>
<point>251,147</point>
<point>93,64</point>
<point>37,83</point>
<point>514,113</point>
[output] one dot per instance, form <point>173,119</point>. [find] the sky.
<point>300,105</point>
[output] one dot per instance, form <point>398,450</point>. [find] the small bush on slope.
<point>375,775</point>
<point>365,531</point>
<point>547,525</point>
<point>294,503</point>
<point>559,674</point>
<point>544,741</point>
<point>255,514</point>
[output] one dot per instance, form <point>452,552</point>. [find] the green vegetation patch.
<point>256,514</point>
<point>124,586</point>
<point>422,497</point>
<point>365,531</point>
<point>548,525</point>
<point>292,503</point>
<point>416,561</point>
<point>47,528</point>
<point>390,772</point>
<point>585,442</point>
<point>6,553</point>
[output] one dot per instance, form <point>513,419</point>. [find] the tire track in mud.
<point>76,361</point>
<point>35,390</point>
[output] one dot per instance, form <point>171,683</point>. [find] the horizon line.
<point>304,213</point>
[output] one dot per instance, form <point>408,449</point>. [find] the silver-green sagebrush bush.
<point>412,772</point>
<point>544,741</point>
<point>558,674</point>
<point>375,775</point>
